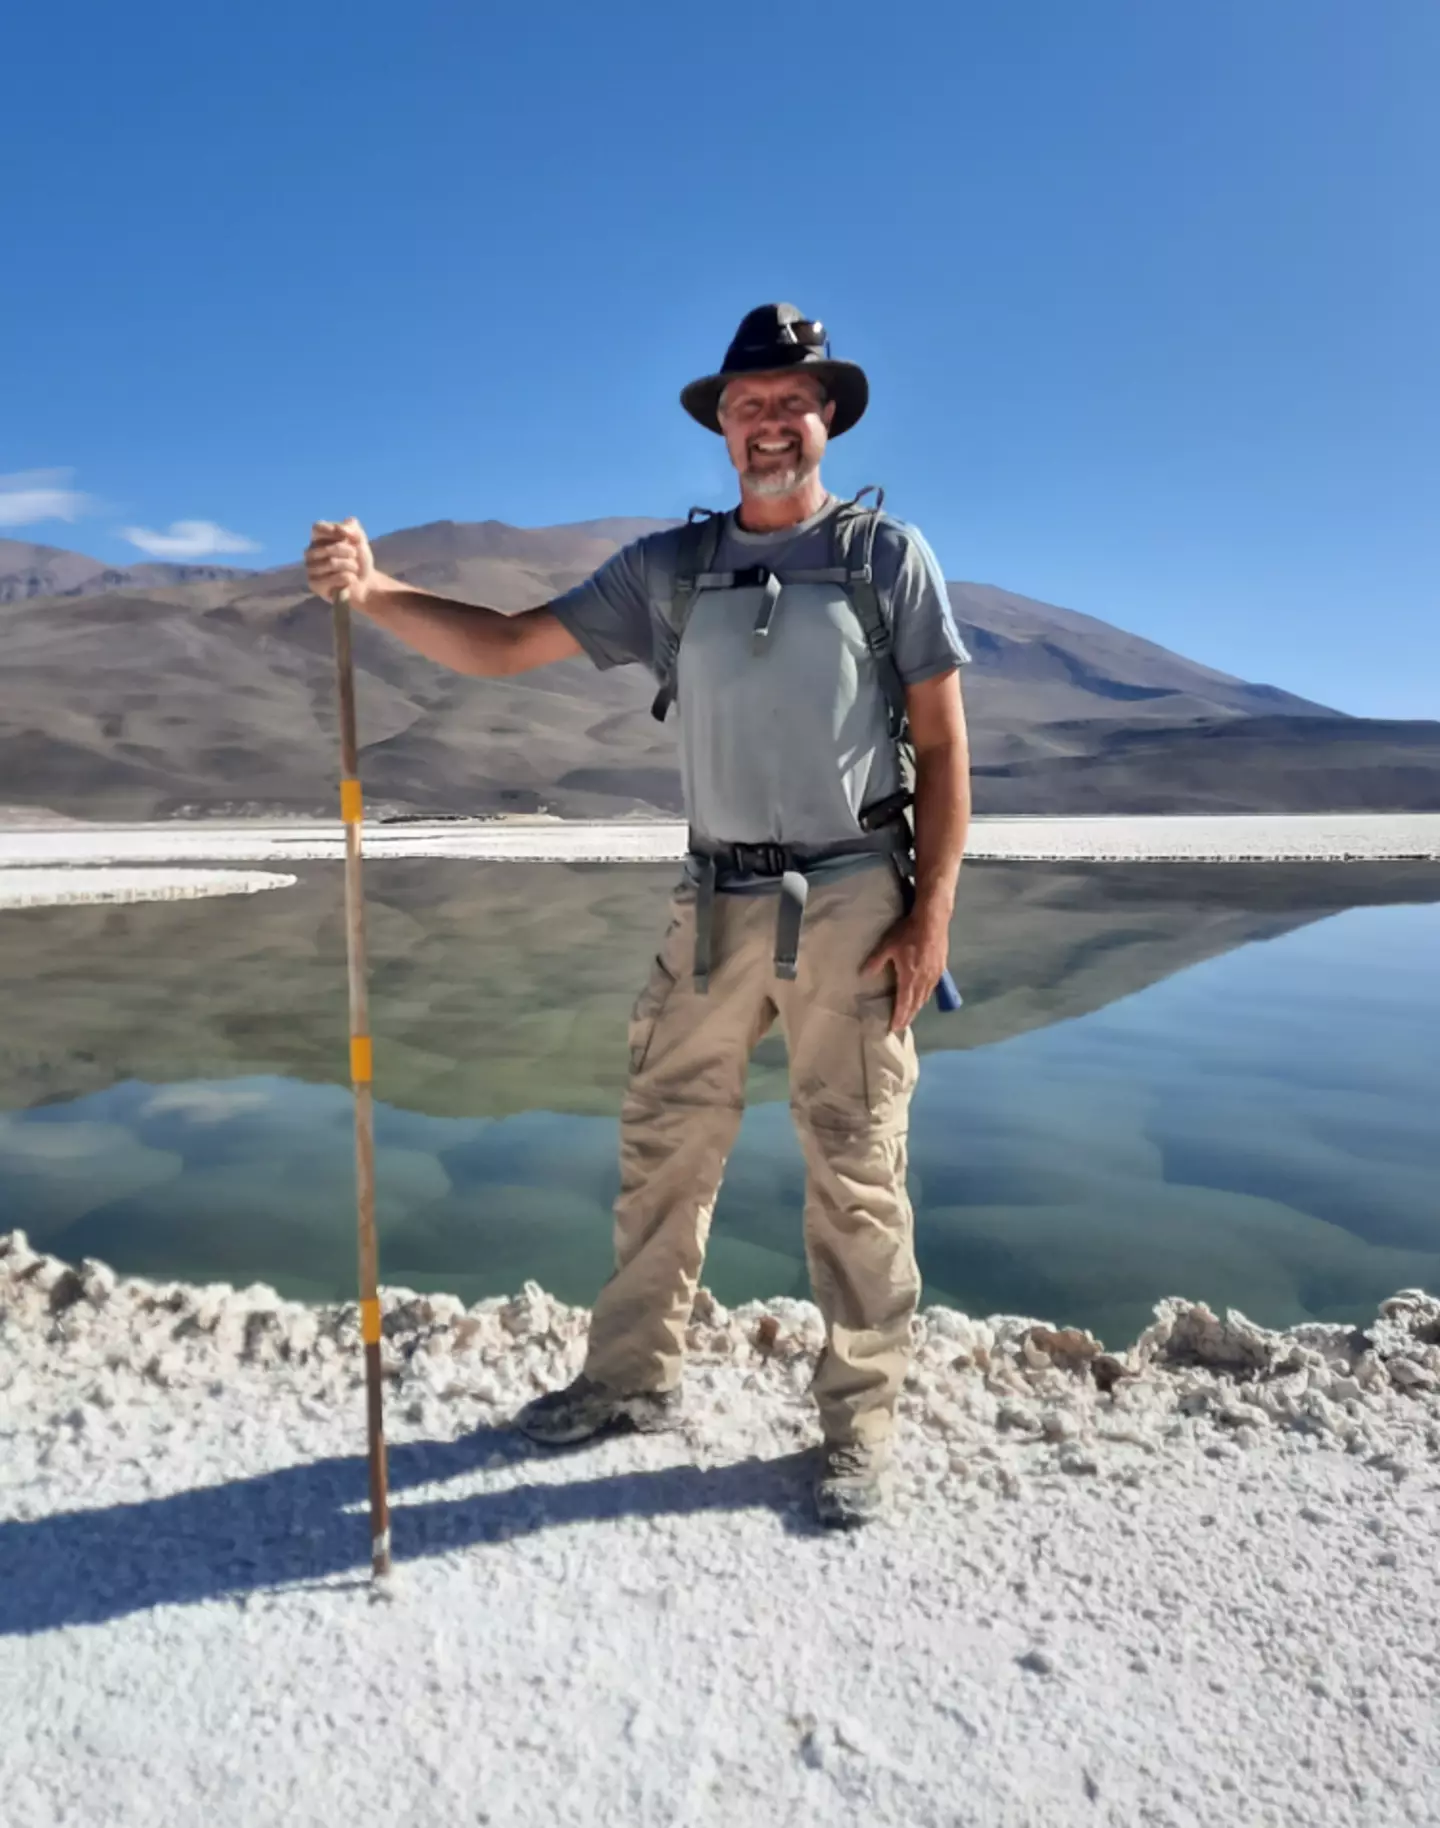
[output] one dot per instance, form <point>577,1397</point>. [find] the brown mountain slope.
<point>217,695</point>
<point>28,570</point>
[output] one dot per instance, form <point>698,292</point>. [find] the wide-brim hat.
<point>776,337</point>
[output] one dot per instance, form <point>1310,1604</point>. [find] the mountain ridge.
<point>216,692</point>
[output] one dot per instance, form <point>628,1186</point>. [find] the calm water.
<point>1217,1082</point>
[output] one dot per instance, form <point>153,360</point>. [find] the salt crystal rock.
<point>947,1336</point>
<point>466,1332</point>
<point>98,1281</point>
<point>165,1369</point>
<point>1190,1333</point>
<point>257,1295</point>
<point>945,1416</point>
<point>529,1312</point>
<point>260,1337</point>
<point>303,1332</point>
<point>407,1315</point>
<point>981,1405</point>
<point>1409,1374</point>
<point>1108,1371</point>
<point>1329,1417</point>
<point>46,1273</point>
<point>795,1316</point>
<point>1008,1330</point>
<point>1069,1348</point>
<point>1032,1354</point>
<point>1059,1425</point>
<point>66,1290</point>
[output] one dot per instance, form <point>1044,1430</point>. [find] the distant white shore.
<point>1269,838</point>
<point>64,887</point>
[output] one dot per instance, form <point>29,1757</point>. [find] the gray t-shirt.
<point>786,746</point>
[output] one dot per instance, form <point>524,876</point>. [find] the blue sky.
<point>1147,291</point>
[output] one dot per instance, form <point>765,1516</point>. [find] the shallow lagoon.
<point>1216,1081</point>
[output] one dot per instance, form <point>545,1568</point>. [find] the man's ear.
<point>828,413</point>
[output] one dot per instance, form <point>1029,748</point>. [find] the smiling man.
<point>808,646</point>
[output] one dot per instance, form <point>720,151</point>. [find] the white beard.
<point>778,482</point>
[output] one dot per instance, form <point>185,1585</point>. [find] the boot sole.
<point>620,1421</point>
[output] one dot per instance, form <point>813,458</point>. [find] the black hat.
<point>773,337</point>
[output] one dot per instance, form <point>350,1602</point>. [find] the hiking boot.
<point>585,1408</point>
<point>850,1485</point>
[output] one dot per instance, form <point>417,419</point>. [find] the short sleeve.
<point>926,641</point>
<point>609,614</point>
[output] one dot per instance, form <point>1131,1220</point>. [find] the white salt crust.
<point>1188,1581</point>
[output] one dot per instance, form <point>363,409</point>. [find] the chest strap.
<point>753,577</point>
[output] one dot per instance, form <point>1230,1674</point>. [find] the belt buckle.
<point>762,859</point>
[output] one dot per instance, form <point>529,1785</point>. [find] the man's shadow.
<point>293,1525</point>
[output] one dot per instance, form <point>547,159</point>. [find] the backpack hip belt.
<point>791,863</point>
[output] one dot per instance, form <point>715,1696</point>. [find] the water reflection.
<point>1254,1128</point>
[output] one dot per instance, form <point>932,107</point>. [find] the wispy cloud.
<point>36,495</point>
<point>188,539</point>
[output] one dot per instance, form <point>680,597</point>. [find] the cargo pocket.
<point>646,1013</point>
<point>828,1079</point>
<point>890,1064</point>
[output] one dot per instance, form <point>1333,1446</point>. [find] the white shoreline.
<point>1207,1594</point>
<point>66,887</point>
<point>1270,838</point>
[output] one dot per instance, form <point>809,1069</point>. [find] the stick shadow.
<point>308,1523</point>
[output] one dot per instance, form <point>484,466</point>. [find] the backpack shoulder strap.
<point>694,557</point>
<point>853,535</point>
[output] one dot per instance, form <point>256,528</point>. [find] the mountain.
<point>27,570</point>
<point>216,695</point>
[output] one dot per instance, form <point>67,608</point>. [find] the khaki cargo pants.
<point>851,1082</point>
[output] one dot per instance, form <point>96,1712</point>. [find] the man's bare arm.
<point>918,943</point>
<point>463,636</point>
<point>466,636</point>
<point>942,792</point>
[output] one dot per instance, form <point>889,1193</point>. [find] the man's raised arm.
<point>463,636</point>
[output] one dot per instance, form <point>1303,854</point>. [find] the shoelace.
<point>846,1462</point>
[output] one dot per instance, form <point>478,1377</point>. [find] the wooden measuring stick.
<point>361,1074</point>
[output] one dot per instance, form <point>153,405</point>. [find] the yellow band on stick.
<point>352,801</point>
<point>362,1059</point>
<point>370,1323</point>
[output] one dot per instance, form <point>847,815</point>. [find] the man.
<point>800,900</point>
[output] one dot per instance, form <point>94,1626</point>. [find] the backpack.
<point>852,546</point>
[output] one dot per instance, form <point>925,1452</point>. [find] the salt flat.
<point>1192,1583</point>
<point>1265,838</point>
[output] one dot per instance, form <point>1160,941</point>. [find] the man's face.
<point>776,427</point>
